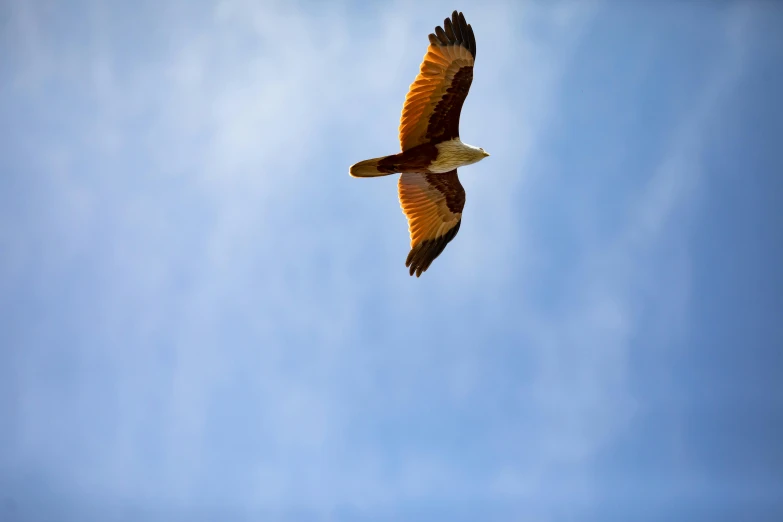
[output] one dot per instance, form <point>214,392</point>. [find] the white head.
<point>454,153</point>
<point>477,154</point>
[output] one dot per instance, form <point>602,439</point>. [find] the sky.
<point>203,317</point>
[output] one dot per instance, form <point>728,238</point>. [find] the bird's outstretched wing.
<point>433,204</point>
<point>434,101</point>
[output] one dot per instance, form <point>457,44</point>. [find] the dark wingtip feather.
<point>457,31</point>
<point>463,29</point>
<point>422,255</point>
<point>442,36</point>
<point>449,30</point>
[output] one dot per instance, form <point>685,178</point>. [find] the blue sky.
<point>205,318</point>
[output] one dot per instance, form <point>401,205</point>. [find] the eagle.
<point>431,196</point>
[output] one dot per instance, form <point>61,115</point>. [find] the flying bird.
<point>430,193</point>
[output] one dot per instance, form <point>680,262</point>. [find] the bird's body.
<point>431,195</point>
<point>426,159</point>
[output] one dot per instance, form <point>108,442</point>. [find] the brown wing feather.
<point>434,102</point>
<point>433,205</point>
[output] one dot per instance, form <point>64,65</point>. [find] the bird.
<point>430,193</point>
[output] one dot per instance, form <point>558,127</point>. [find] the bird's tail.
<point>371,168</point>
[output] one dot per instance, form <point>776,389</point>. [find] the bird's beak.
<point>486,154</point>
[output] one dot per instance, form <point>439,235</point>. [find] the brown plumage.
<point>434,101</point>
<point>430,193</point>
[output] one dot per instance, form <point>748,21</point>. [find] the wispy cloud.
<point>212,313</point>
<point>580,396</point>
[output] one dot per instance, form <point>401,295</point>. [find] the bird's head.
<point>471,154</point>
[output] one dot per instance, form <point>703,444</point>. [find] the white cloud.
<point>227,112</point>
<point>209,166</point>
<point>580,386</point>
